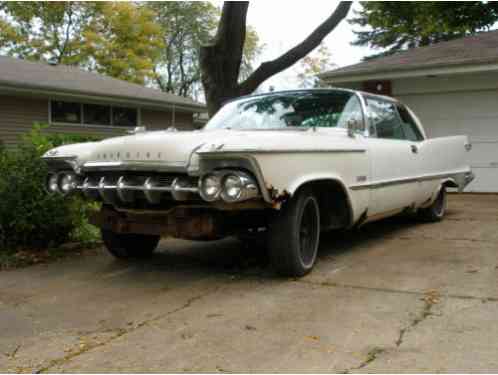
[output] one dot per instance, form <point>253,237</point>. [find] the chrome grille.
<point>116,187</point>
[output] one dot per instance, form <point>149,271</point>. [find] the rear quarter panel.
<point>445,156</point>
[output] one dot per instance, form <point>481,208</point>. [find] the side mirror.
<point>354,126</point>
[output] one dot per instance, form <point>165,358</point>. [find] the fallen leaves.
<point>432,297</point>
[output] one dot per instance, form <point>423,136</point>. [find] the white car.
<point>283,166</point>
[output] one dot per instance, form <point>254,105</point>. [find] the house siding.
<point>18,114</point>
<point>163,119</point>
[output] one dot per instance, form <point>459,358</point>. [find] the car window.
<point>384,117</point>
<point>410,128</point>
<point>352,112</point>
<point>301,109</point>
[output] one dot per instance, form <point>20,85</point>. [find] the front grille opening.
<point>137,179</point>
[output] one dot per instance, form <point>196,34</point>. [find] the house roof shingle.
<point>481,48</point>
<point>67,79</point>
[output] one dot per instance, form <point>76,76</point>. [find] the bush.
<point>29,216</point>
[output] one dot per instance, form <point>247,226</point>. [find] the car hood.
<point>176,148</point>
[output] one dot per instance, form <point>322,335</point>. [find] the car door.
<point>394,164</point>
<point>426,159</point>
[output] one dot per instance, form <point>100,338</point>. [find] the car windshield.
<point>328,109</point>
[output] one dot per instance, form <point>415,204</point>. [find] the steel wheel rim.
<point>308,233</point>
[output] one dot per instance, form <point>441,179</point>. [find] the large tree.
<point>221,59</point>
<point>117,39</point>
<point>395,26</point>
<point>185,26</point>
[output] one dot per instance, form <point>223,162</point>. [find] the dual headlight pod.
<point>230,186</point>
<point>64,182</point>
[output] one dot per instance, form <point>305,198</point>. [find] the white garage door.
<point>472,113</point>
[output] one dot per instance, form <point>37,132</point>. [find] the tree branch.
<point>68,30</point>
<point>269,68</point>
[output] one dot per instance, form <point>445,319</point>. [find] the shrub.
<point>29,216</point>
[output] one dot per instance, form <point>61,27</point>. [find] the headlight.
<point>209,187</point>
<point>238,186</point>
<point>232,188</point>
<point>67,182</point>
<point>52,183</point>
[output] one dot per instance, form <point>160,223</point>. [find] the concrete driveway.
<point>394,297</point>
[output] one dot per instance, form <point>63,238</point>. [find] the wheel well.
<point>450,183</point>
<point>333,201</point>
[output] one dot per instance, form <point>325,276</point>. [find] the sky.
<point>281,24</point>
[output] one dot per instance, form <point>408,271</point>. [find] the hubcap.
<point>308,233</point>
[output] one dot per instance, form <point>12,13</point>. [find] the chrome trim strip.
<point>292,151</point>
<point>121,186</point>
<point>399,181</point>
<point>61,157</point>
<point>134,165</point>
<point>138,188</point>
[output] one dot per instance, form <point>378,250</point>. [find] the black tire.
<point>294,235</point>
<point>129,245</point>
<point>436,211</point>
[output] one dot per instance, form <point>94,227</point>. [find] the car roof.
<point>315,90</point>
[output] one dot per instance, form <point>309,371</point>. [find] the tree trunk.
<point>220,61</point>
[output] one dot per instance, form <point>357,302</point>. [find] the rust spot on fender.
<point>277,197</point>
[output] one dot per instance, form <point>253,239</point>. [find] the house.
<point>72,100</point>
<point>452,86</point>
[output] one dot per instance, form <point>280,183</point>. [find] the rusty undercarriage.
<point>194,223</point>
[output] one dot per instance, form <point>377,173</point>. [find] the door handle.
<point>414,148</point>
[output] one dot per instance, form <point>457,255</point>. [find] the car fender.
<point>314,177</point>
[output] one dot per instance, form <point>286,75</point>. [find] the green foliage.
<point>185,27</point>
<point>113,38</point>
<point>29,216</point>
<point>396,26</point>
<point>155,43</point>
<point>123,40</point>
<point>44,30</point>
<point>43,142</point>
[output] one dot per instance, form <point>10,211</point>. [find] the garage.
<point>474,113</point>
<point>452,87</point>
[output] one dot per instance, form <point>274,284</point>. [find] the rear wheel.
<point>436,211</point>
<point>295,234</point>
<point>129,245</point>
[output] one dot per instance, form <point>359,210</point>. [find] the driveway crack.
<point>372,355</point>
<point>121,332</point>
<point>331,284</point>
<point>431,298</point>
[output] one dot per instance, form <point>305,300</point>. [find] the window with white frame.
<point>93,114</point>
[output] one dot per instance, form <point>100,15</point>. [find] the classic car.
<point>281,166</point>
